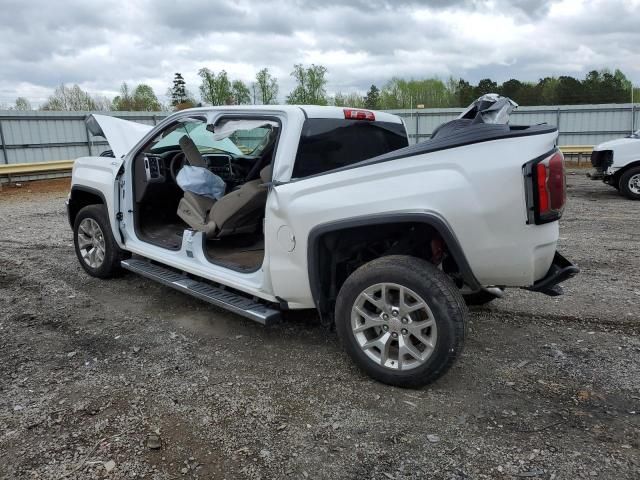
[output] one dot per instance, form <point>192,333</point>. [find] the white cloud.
<point>361,42</point>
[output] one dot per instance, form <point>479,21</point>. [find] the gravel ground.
<point>96,373</point>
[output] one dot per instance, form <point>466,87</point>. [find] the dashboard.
<point>221,165</point>
<point>155,168</point>
<point>158,167</point>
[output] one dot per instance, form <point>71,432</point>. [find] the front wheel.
<point>630,183</point>
<point>401,320</point>
<point>95,246</point>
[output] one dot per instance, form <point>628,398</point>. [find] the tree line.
<point>598,86</point>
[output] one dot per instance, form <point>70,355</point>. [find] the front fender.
<point>97,175</point>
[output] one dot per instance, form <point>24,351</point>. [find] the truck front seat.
<point>240,211</point>
<point>193,208</point>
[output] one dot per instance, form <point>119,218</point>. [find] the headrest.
<point>265,173</point>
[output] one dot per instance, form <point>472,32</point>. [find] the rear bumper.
<point>561,269</point>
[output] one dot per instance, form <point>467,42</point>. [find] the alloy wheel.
<point>91,243</point>
<point>394,326</point>
<point>634,184</point>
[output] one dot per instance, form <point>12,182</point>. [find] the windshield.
<point>239,142</point>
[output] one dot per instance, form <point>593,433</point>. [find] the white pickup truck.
<point>330,209</point>
<point>617,163</point>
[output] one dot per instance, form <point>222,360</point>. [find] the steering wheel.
<point>177,162</point>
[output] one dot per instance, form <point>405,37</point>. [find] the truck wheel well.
<point>335,253</point>
<point>618,174</point>
<point>80,198</point>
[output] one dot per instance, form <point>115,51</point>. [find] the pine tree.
<point>179,90</point>
<point>372,100</point>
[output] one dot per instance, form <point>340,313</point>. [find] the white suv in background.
<point>617,163</point>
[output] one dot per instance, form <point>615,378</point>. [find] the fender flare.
<point>614,178</point>
<point>93,191</point>
<point>632,164</point>
<point>81,188</point>
<point>433,219</point>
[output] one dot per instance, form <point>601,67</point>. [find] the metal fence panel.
<point>47,136</point>
<point>35,136</point>
<point>577,124</point>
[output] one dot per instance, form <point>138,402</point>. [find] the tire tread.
<point>624,183</point>
<point>113,253</point>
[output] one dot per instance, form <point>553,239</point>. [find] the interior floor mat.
<point>243,252</point>
<point>164,235</point>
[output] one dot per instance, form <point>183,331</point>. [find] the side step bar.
<point>226,299</point>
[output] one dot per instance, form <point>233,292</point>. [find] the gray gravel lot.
<point>92,372</point>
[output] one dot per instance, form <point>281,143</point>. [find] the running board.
<point>222,298</point>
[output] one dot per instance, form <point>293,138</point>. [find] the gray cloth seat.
<point>239,211</point>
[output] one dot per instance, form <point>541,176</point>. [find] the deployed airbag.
<point>229,127</point>
<point>201,181</point>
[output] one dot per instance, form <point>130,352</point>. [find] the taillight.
<point>542,190</point>
<point>352,114</point>
<point>547,192</point>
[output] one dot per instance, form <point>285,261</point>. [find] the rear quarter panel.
<point>478,189</point>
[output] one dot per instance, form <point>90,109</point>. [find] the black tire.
<point>624,184</point>
<point>113,255</point>
<point>435,288</point>
<point>479,298</point>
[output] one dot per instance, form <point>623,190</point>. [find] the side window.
<point>249,137</point>
<point>328,143</point>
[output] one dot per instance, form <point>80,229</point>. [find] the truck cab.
<point>237,238</point>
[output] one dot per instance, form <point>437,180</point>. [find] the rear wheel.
<point>95,246</point>
<point>630,183</point>
<point>401,320</point>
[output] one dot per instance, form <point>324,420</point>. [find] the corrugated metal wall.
<point>43,136</point>
<point>578,124</point>
<point>46,136</point>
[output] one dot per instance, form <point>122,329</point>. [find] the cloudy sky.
<point>101,44</point>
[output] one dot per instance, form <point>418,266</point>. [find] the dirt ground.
<point>92,372</point>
